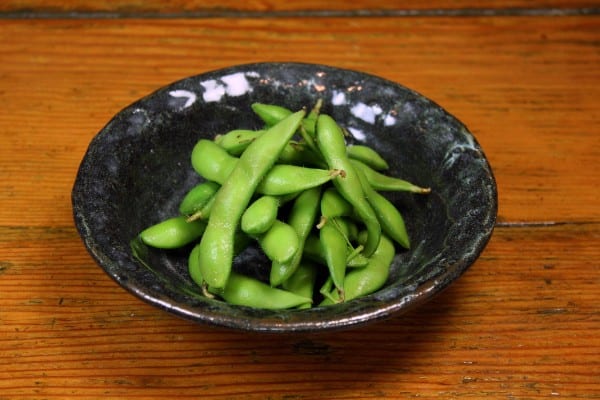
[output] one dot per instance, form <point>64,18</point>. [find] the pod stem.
<point>309,140</point>
<point>195,216</point>
<point>356,251</point>
<point>317,107</point>
<point>206,292</point>
<point>337,172</point>
<point>322,221</point>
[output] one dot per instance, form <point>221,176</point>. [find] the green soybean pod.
<point>333,204</point>
<point>280,242</point>
<point>333,147</point>
<point>211,161</point>
<point>348,228</point>
<point>309,123</point>
<point>284,179</point>
<point>217,243</point>
<point>197,197</point>
<point>240,243</point>
<point>327,292</point>
<point>193,264</point>
<point>363,281</point>
<point>204,212</point>
<point>236,141</point>
<point>302,282</point>
<point>368,156</point>
<point>356,259</point>
<point>297,153</point>
<point>384,182</point>
<point>260,215</point>
<point>335,251</point>
<point>392,222</point>
<point>242,290</point>
<point>172,233</point>
<point>270,114</point>
<point>312,251</point>
<point>301,218</point>
<point>246,291</point>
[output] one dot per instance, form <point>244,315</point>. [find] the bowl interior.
<point>137,169</point>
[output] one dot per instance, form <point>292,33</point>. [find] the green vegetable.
<point>296,191</point>
<point>216,245</point>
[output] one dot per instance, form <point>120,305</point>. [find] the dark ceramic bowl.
<point>137,169</point>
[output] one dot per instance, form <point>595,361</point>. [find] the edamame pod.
<point>312,251</point>
<point>301,218</point>
<point>241,241</point>
<point>348,228</point>
<point>333,204</point>
<point>280,242</point>
<point>216,255</point>
<point>198,197</point>
<point>284,179</point>
<point>213,163</point>
<point>296,153</point>
<point>193,267</point>
<point>302,281</point>
<point>357,259</point>
<point>362,281</point>
<point>260,215</point>
<point>333,147</point>
<point>384,182</point>
<point>326,290</point>
<point>243,290</point>
<point>236,141</point>
<point>309,123</point>
<point>368,156</point>
<point>334,250</point>
<point>271,114</point>
<point>204,212</point>
<point>389,216</point>
<point>172,233</point>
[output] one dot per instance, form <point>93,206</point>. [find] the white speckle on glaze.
<point>213,91</point>
<point>365,112</point>
<point>357,134</point>
<point>338,98</point>
<point>190,96</point>
<point>236,84</point>
<point>389,120</point>
<point>252,74</point>
<point>232,85</point>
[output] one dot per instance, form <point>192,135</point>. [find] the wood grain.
<point>526,87</point>
<point>132,7</point>
<point>518,323</point>
<point>521,324</point>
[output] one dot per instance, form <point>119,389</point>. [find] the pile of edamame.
<point>297,190</point>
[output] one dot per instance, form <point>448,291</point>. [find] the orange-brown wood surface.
<point>257,6</point>
<point>522,323</point>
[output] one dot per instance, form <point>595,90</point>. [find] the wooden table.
<point>522,323</point>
